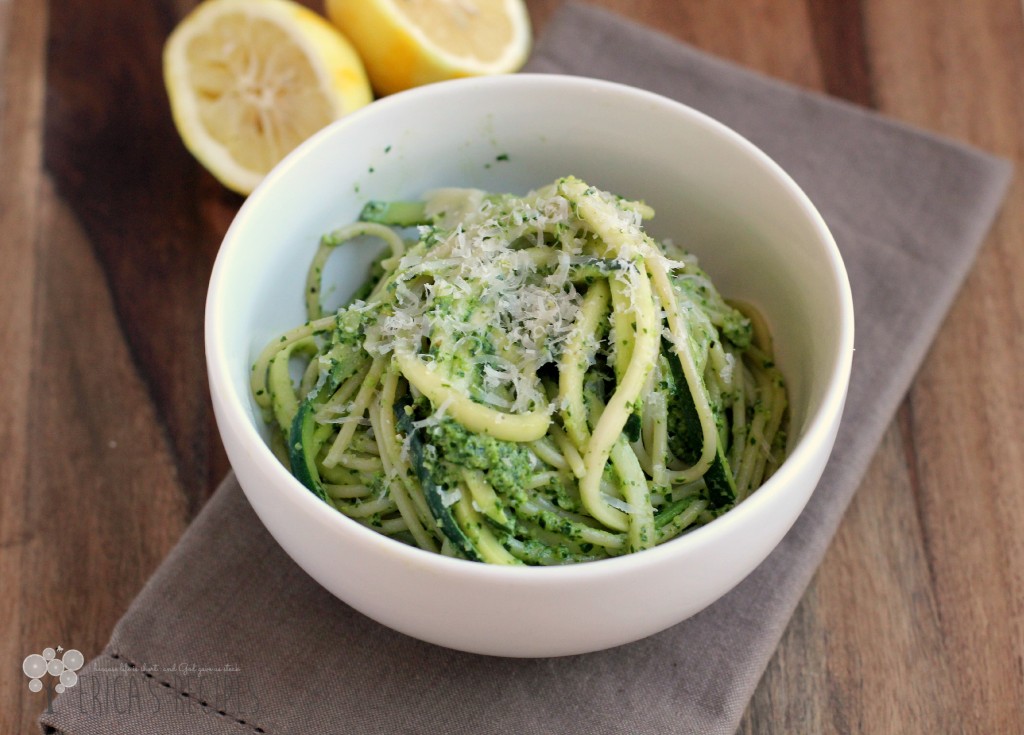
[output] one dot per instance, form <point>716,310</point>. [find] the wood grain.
<point>22,84</point>
<point>109,512</point>
<point>964,417</point>
<point>108,229</point>
<point>153,217</point>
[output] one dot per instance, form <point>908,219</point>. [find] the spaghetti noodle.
<point>529,380</point>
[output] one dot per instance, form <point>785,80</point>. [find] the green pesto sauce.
<point>507,465</point>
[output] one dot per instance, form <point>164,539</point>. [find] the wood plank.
<point>959,73</point>
<point>153,216</point>
<point>841,50</point>
<point>22,44</point>
<point>101,501</point>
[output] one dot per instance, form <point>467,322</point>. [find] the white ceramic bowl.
<point>755,232</point>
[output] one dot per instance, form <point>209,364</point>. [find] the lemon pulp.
<point>249,80</point>
<point>406,43</point>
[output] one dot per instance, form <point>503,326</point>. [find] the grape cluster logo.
<point>38,665</point>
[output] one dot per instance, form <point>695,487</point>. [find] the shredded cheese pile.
<point>493,301</point>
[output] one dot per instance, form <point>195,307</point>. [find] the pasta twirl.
<point>527,380</point>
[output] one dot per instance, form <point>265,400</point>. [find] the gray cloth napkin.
<point>230,636</point>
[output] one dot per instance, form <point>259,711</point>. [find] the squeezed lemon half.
<point>248,80</point>
<point>406,43</point>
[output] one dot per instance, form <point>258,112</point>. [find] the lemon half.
<point>248,80</point>
<point>406,43</point>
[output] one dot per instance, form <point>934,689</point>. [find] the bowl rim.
<point>827,415</point>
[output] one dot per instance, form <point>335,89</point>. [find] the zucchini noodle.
<point>524,380</point>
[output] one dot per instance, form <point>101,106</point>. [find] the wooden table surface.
<point>108,229</point>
